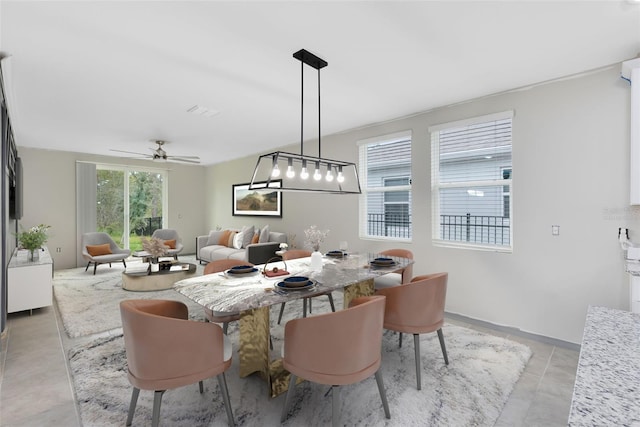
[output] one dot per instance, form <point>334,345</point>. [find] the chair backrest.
<point>418,306</point>
<point>337,348</point>
<point>160,343</point>
<point>97,238</point>
<point>407,272</point>
<point>222,265</point>
<point>295,253</point>
<point>166,234</point>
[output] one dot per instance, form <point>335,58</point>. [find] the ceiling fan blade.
<point>129,152</point>
<point>183,160</point>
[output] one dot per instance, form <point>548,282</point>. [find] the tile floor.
<point>35,387</point>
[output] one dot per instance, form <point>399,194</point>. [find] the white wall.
<point>49,197</point>
<point>570,168</point>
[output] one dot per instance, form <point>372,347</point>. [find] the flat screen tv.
<point>15,193</point>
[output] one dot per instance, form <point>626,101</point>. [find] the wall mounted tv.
<point>15,192</point>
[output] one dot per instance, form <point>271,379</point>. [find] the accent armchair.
<point>99,248</point>
<point>172,238</point>
<point>398,277</point>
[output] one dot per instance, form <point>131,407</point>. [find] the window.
<point>471,175</point>
<point>385,174</point>
<point>130,203</point>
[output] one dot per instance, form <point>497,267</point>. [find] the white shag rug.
<point>471,391</point>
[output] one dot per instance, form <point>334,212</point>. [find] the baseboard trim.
<point>515,331</point>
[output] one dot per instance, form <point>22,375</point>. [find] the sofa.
<point>256,246</point>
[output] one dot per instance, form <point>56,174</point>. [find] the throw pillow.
<point>264,234</point>
<point>238,239</point>
<point>97,250</point>
<point>232,235</point>
<point>212,239</point>
<point>247,236</point>
<point>224,238</point>
<point>170,243</point>
<point>255,239</point>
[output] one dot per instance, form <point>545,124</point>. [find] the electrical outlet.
<point>555,230</point>
<point>58,250</point>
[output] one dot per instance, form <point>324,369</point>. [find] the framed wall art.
<point>257,202</point>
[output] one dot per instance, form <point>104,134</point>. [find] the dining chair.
<point>336,349</point>
<point>398,277</point>
<point>417,308</point>
<point>165,350</point>
<point>219,317</point>
<point>295,254</point>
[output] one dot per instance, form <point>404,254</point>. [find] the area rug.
<point>470,391</point>
<point>89,304</point>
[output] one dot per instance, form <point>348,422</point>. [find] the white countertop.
<point>607,387</point>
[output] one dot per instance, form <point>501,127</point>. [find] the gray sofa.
<point>208,249</point>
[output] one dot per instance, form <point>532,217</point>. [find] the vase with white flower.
<point>33,238</point>
<point>313,238</point>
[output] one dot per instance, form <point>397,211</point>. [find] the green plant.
<point>34,237</point>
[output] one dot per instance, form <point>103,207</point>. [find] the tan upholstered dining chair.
<point>165,350</point>
<point>295,254</point>
<point>216,267</point>
<point>336,349</point>
<point>398,277</point>
<point>417,308</point>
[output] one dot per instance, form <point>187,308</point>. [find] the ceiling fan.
<point>159,155</point>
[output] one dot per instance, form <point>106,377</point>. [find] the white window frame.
<point>436,186</point>
<point>363,226</point>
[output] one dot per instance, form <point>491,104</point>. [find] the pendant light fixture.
<point>301,172</point>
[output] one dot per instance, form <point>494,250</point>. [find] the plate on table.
<point>336,254</point>
<point>383,262</point>
<point>295,283</point>
<point>241,270</point>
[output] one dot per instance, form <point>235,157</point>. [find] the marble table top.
<point>223,294</point>
<point>607,387</point>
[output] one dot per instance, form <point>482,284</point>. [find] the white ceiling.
<point>93,76</point>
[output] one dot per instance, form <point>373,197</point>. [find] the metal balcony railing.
<point>389,225</point>
<point>494,230</point>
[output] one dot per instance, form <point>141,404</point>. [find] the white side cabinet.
<point>30,282</point>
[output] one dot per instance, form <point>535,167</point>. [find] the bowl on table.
<point>296,281</point>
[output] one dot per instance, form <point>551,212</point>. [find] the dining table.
<point>252,294</point>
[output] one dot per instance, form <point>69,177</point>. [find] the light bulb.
<point>275,172</point>
<point>317,175</point>
<point>304,174</point>
<point>329,175</point>
<point>290,172</point>
<point>340,177</point>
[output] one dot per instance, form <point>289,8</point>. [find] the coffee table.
<point>157,281</point>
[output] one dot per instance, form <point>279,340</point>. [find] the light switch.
<point>555,230</point>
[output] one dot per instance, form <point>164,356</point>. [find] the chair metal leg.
<point>157,400</point>
<point>132,405</point>
<point>333,307</point>
<point>442,346</point>
<point>310,308</point>
<point>222,381</point>
<point>109,265</point>
<point>88,264</point>
<point>201,387</point>
<point>335,398</point>
<point>95,265</point>
<point>287,400</point>
<point>304,306</point>
<point>400,340</point>
<point>281,311</point>
<point>225,327</point>
<point>124,263</point>
<point>383,394</point>
<point>416,344</point>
